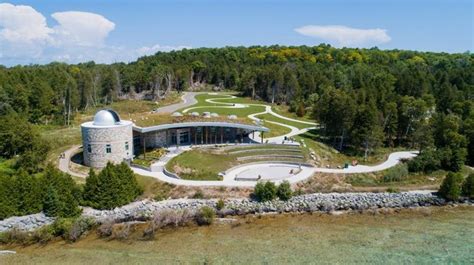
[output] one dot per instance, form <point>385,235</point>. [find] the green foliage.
<point>284,191</point>
<point>114,186</point>
<point>265,191</point>
<point>52,191</point>
<point>396,173</point>
<point>428,161</point>
<point>62,194</point>
<point>205,216</point>
<point>451,187</point>
<point>198,194</point>
<point>220,205</point>
<point>468,186</point>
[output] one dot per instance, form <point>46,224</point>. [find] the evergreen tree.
<point>451,187</point>
<point>468,186</point>
<point>114,186</point>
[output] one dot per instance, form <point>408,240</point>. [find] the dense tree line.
<point>57,194</point>
<point>53,192</point>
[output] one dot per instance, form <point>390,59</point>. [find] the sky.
<point>107,31</point>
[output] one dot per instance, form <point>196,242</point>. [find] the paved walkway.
<point>229,178</point>
<point>64,161</point>
<point>305,173</point>
<point>189,99</point>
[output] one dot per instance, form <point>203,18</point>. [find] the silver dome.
<point>106,118</point>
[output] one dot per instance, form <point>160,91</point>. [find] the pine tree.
<point>451,187</point>
<point>51,203</point>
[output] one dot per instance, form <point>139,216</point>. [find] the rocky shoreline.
<point>317,202</point>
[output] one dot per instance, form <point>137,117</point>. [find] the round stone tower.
<point>107,138</point>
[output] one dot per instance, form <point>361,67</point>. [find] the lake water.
<point>428,236</point>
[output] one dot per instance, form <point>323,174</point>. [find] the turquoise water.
<point>429,236</point>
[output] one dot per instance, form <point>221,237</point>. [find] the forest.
<point>362,98</point>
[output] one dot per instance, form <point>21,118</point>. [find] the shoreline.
<point>317,202</point>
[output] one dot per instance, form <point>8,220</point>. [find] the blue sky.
<point>119,30</point>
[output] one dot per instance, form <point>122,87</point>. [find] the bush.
<point>79,227</point>
<point>198,195</point>
<point>220,204</point>
<point>284,191</point>
<point>15,236</point>
<point>105,229</point>
<point>451,187</point>
<point>205,216</point>
<point>61,227</point>
<point>43,235</point>
<point>166,218</point>
<point>121,231</point>
<point>396,173</point>
<point>468,186</point>
<point>265,191</point>
<point>428,161</point>
<point>392,190</point>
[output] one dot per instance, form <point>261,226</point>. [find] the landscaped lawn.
<point>207,163</point>
<point>269,117</point>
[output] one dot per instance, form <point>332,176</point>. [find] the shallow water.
<point>428,236</point>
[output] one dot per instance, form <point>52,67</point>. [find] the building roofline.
<point>198,124</point>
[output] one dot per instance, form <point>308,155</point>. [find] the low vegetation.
<point>268,191</point>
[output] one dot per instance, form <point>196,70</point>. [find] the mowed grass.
<point>275,130</point>
<point>269,117</point>
<point>207,163</point>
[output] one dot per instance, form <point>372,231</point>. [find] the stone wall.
<point>98,138</point>
<point>317,202</point>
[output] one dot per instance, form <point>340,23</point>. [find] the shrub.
<point>451,187</point>
<point>428,161</point>
<point>78,228</point>
<point>165,218</point>
<point>220,204</point>
<point>198,194</point>
<point>43,235</point>
<point>15,236</point>
<point>205,216</point>
<point>396,173</point>
<point>121,231</point>
<point>284,191</point>
<point>468,186</point>
<point>392,190</point>
<point>61,227</point>
<point>106,228</point>
<point>265,191</point>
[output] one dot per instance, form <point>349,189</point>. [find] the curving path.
<point>229,178</point>
<point>189,99</point>
<point>268,110</point>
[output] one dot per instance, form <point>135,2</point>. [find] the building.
<point>108,138</point>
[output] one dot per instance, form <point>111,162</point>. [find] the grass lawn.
<point>191,165</point>
<point>275,130</point>
<point>269,117</point>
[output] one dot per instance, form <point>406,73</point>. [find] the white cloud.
<point>157,47</point>
<point>26,38</point>
<point>346,36</point>
<point>81,28</point>
<point>22,24</point>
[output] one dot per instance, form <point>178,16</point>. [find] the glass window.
<point>126,146</point>
<point>108,149</point>
<point>89,148</point>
